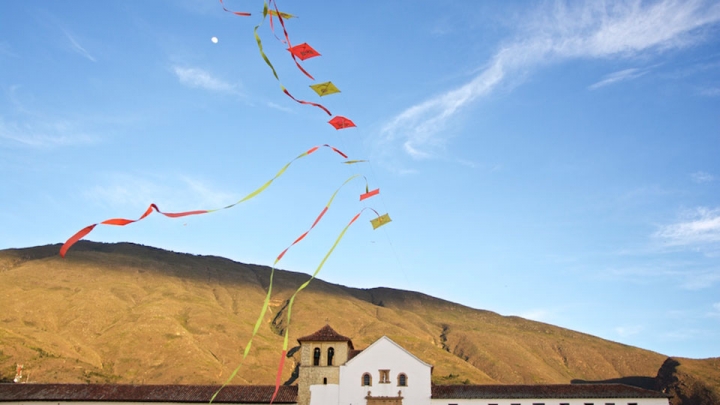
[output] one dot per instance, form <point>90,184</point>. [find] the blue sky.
<point>556,161</point>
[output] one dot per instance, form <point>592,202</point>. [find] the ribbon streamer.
<point>267,61</point>
<point>264,309</point>
<point>153,207</point>
<point>302,287</point>
<point>239,13</point>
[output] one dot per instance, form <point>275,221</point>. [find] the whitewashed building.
<point>332,372</point>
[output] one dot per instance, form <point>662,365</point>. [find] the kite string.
<point>266,303</point>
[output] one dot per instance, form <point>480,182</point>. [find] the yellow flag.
<point>380,221</point>
<point>323,89</point>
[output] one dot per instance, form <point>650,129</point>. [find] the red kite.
<point>341,122</point>
<point>303,51</point>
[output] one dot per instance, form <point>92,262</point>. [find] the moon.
<point>214,40</point>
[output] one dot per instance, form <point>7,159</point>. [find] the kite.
<point>264,309</point>
<point>323,89</point>
<point>302,287</point>
<point>303,51</point>
<point>267,61</point>
<point>122,222</point>
<point>351,162</point>
<point>341,122</point>
<point>380,221</point>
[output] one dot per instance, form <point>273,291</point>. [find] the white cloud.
<point>198,78</point>
<point>588,30</point>
<point>698,227</point>
<point>702,177</point>
<point>78,48</point>
<point>623,75</point>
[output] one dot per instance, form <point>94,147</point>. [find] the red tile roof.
<point>146,393</point>
<point>326,334</point>
<point>353,353</point>
<point>542,391</point>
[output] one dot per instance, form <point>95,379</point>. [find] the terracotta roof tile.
<point>146,393</point>
<point>326,334</point>
<point>353,353</point>
<point>542,391</point>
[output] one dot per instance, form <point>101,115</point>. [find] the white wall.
<point>385,354</point>
<point>554,401</point>
<point>324,394</point>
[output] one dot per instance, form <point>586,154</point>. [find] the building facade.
<point>332,372</point>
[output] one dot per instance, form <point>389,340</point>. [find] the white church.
<point>332,372</point>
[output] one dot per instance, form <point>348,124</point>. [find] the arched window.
<point>366,380</point>
<point>402,380</point>
<point>331,353</point>
<point>316,357</point>
<point>325,381</point>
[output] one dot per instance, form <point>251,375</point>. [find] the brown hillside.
<point>133,314</point>
<point>690,381</point>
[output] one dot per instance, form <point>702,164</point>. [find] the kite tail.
<point>302,287</point>
<point>153,207</point>
<point>267,296</point>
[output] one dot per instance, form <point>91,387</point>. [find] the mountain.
<point>125,313</point>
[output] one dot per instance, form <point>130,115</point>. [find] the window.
<point>384,376</point>
<point>316,357</point>
<point>325,381</point>
<point>331,354</point>
<point>402,380</point>
<point>366,380</point>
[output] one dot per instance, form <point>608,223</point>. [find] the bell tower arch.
<point>321,355</point>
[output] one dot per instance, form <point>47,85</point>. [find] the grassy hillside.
<point>133,314</point>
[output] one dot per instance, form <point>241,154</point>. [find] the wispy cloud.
<point>625,331</point>
<point>715,312</point>
<point>199,78</point>
<point>700,226</point>
<point>39,134</point>
<point>171,193</point>
<point>710,91</point>
<point>702,177</point>
<point>568,31</point>
<point>537,314</point>
<point>687,275</point>
<point>6,50</point>
<point>279,107</point>
<point>78,48</point>
<point>621,76</point>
